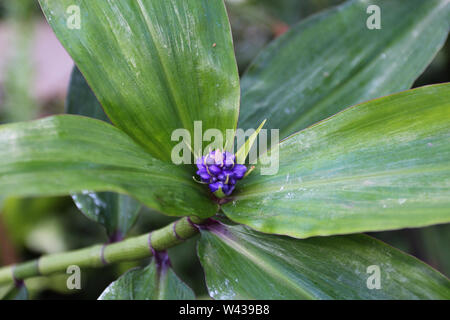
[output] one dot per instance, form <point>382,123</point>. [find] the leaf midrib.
<point>406,30</point>
<point>295,186</point>
<point>172,91</point>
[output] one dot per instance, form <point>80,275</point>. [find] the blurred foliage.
<point>15,292</point>
<point>17,102</point>
<point>288,11</point>
<point>439,70</point>
<point>34,226</point>
<point>21,9</point>
<point>430,244</point>
<point>18,19</point>
<point>256,22</point>
<point>435,247</point>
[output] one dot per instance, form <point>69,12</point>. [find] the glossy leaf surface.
<point>380,165</point>
<point>149,283</point>
<point>244,264</point>
<point>69,154</point>
<point>116,212</point>
<point>81,100</point>
<point>333,60</point>
<point>155,66</point>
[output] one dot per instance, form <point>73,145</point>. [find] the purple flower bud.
<point>228,189</point>
<point>215,186</point>
<point>200,164</point>
<point>204,175</point>
<point>229,160</point>
<point>220,171</point>
<point>239,171</point>
<point>214,169</point>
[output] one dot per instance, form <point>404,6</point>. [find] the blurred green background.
<point>34,74</point>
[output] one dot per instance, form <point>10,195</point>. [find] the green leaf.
<point>154,282</point>
<point>16,292</point>
<point>68,154</point>
<point>243,151</point>
<point>155,66</point>
<point>380,165</point>
<point>81,100</point>
<point>332,61</point>
<point>116,212</point>
<point>243,264</point>
<point>429,244</point>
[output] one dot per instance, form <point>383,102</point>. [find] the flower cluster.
<point>219,170</point>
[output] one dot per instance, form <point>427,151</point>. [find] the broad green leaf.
<point>16,292</point>
<point>243,264</point>
<point>154,282</point>
<point>429,244</point>
<point>155,66</point>
<point>332,60</point>
<point>117,212</point>
<point>380,165</point>
<point>68,154</point>
<point>81,100</point>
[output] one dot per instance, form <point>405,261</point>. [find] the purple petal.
<point>200,164</point>
<point>219,158</point>
<point>228,189</point>
<point>200,160</point>
<point>230,176</point>
<point>229,155</point>
<point>215,186</point>
<point>210,159</point>
<point>201,167</point>
<point>228,172</point>
<point>214,169</point>
<point>204,174</point>
<point>239,171</point>
<point>229,160</point>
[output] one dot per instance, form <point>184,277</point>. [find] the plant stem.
<point>100,255</point>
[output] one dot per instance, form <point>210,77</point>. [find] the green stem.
<point>100,255</point>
